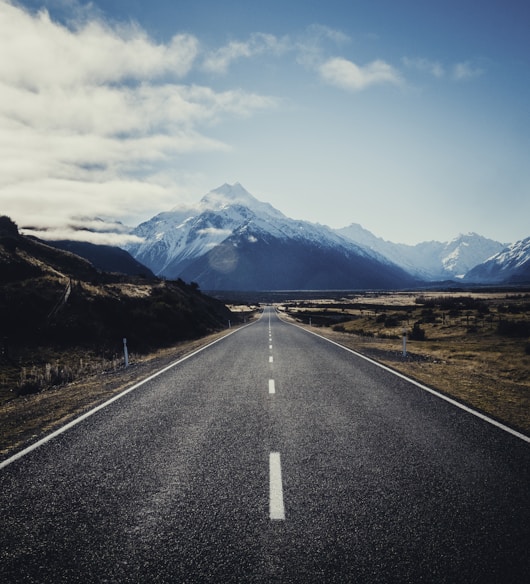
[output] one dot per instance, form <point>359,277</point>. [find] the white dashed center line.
<point>272,388</point>
<point>270,359</point>
<point>276,508</point>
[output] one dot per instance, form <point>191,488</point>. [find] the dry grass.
<point>25,419</point>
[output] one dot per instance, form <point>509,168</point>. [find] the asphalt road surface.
<point>271,456</point>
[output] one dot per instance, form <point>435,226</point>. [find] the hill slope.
<point>53,297</point>
<point>106,258</point>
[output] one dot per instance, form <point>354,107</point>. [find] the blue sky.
<point>411,118</point>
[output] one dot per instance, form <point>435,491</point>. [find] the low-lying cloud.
<point>348,75</point>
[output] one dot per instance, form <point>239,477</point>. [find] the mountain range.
<point>232,241</point>
<point>430,260</point>
<point>510,266</point>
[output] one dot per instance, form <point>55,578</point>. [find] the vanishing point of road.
<point>271,455</point>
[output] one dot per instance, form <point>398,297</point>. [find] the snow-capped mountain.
<point>233,241</point>
<point>510,266</point>
<point>429,260</point>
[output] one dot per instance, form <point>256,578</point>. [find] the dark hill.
<point>106,258</point>
<point>24,257</point>
<point>50,297</point>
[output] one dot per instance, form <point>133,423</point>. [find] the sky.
<point>409,117</point>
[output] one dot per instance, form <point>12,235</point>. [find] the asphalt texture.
<point>380,480</point>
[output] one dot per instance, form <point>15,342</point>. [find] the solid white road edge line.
<point>276,508</point>
<point>452,401</point>
<point>86,415</point>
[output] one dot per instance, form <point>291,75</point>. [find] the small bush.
<point>417,333</point>
<point>392,321</point>
<point>514,328</point>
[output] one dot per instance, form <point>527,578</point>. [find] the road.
<point>272,455</point>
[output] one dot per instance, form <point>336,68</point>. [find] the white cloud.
<point>462,71</point>
<point>87,109</point>
<point>310,47</point>
<point>38,52</point>
<point>220,60</point>
<point>71,234</point>
<point>215,232</point>
<point>347,75</point>
<point>320,33</point>
<point>435,68</point>
<point>457,72</point>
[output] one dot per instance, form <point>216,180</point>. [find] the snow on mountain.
<point>429,260</point>
<point>511,265</point>
<point>228,219</point>
<point>176,237</point>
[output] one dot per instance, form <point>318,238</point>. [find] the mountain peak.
<point>228,195</point>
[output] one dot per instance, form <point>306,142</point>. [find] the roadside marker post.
<point>404,342</point>
<point>125,352</point>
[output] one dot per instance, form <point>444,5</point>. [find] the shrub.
<point>392,321</point>
<point>514,328</point>
<point>417,333</point>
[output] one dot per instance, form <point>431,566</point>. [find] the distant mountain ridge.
<point>430,260</point>
<point>232,241</point>
<point>106,258</point>
<point>511,265</point>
